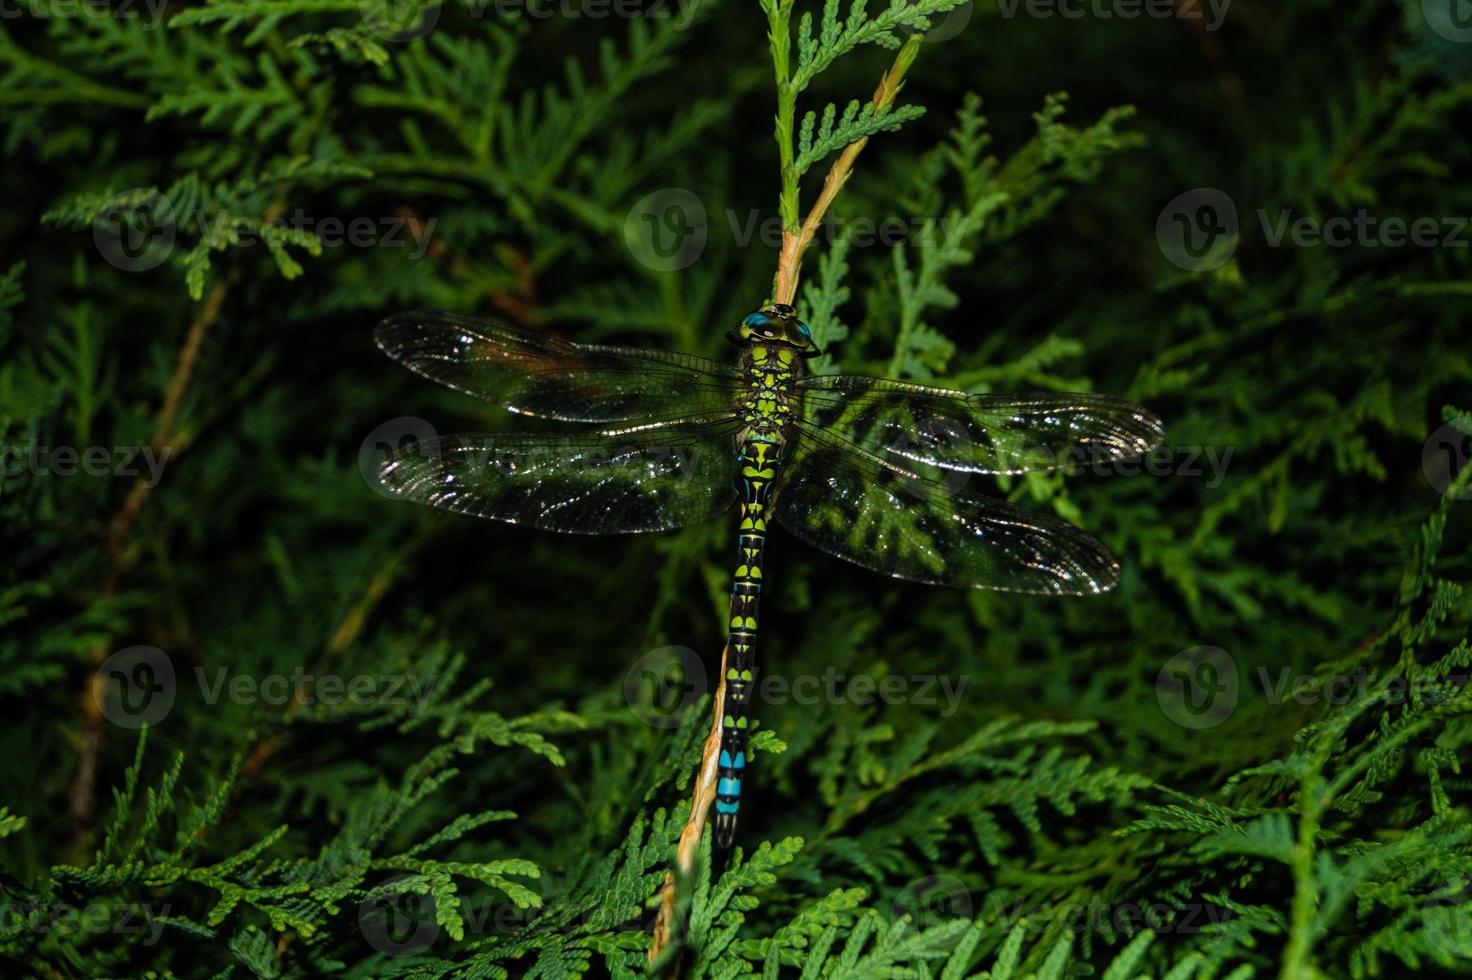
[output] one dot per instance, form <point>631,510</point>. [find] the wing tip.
<point>390,333</point>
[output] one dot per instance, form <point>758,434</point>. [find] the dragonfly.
<point>871,470</point>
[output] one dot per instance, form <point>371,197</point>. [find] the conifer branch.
<point>795,242</point>
<point>83,793</point>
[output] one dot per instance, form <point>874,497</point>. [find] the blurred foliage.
<point>402,743</point>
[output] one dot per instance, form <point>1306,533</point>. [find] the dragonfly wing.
<point>534,374</point>
<point>978,433</point>
<point>651,478</point>
<point>874,513</point>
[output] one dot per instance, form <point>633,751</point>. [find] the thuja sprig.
<point>901,26</point>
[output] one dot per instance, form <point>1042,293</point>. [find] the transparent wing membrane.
<point>648,478</point>
<point>861,508</point>
<point>535,374</point>
<point>973,433</point>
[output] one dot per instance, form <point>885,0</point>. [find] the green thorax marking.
<point>768,406</point>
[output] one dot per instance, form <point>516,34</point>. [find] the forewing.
<point>612,482</point>
<point>535,374</point>
<point>856,506</point>
<point>979,433</point>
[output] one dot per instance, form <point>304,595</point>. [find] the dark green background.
<point>1326,372</point>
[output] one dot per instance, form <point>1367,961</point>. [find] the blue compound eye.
<point>802,328</point>
<point>754,320</point>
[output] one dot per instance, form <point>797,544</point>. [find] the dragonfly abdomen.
<point>760,458</point>
<point>767,411</point>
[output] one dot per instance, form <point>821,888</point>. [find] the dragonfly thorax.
<point>771,370</point>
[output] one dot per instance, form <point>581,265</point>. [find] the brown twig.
<point>794,244</point>
<point>342,638</point>
<point>520,305</point>
<point>82,793</point>
<point>789,264</point>
<point>701,797</point>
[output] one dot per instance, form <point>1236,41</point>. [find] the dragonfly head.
<point>774,324</point>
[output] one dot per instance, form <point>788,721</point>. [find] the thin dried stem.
<point>82,793</point>
<point>795,243</point>
<point>665,925</point>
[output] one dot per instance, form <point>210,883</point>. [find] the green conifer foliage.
<point>261,721</point>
